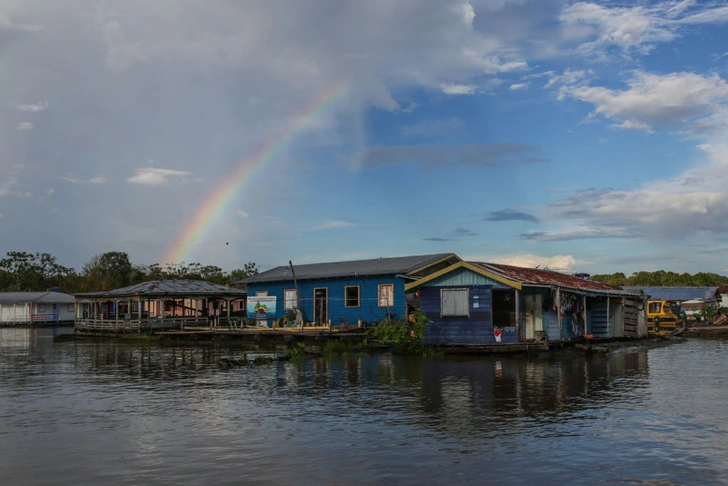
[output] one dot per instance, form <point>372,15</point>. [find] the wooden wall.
<point>476,328</point>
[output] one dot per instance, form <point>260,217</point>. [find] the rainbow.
<point>223,196</point>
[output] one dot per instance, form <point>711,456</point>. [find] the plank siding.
<point>631,318</point>
<point>368,310</point>
<point>477,328</point>
<point>598,323</point>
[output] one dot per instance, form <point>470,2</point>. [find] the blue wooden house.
<point>488,303</point>
<point>339,293</point>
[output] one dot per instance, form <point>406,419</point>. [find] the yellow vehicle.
<point>660,317</point>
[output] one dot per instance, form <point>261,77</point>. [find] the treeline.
<point>661,278</point>
<point>22,271</point>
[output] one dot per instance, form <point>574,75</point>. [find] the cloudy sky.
<point>582,136</point>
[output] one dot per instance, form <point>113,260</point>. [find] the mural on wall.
<point>262,307</point>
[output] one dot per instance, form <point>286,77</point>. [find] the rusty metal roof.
<point>535,276</point>
<point>358,268</point>
<point>170,288</point>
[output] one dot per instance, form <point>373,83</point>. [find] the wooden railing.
<point>137,325</point>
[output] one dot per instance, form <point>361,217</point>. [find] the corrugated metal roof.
<point>36,298</point>
<point>678,293</point>
<point>535,276</point>
<point>170,288</point>
<point>357,268</point>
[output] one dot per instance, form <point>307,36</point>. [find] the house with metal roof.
<point>488,303</point>
<point>158,305</point>
<point>347,293</point>
<point>17,308</point>
<point>675,295</point>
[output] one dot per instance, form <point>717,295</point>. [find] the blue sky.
<point>579,136</point>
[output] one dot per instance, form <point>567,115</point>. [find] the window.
<point>290,298</point>
<point>654,307</point>
<point>41,309</point>
<point>454,303</point>
<point>261,293</point>
<point>386,295</point>
<point>71,308</point>
<point>351,296</point>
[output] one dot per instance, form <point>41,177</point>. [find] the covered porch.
<point>160,305</point>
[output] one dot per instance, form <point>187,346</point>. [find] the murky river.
<point>112,413</point>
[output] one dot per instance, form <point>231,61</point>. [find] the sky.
<point>576,136</point>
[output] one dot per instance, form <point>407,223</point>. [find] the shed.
<point>36,308</point>
<point>346,293</point>
<point>490,303</point>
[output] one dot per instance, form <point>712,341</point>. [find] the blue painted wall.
<point>368,310</point>
<point>475,329</point>
<point>597,318</point>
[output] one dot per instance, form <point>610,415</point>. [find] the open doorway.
<point>321,306</point>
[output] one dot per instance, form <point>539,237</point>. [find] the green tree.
<point>107,271</point>
<point>25,271</point>
<point>248,270</point>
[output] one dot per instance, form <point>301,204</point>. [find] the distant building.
<point>19,308</point>
<point>676,295</point>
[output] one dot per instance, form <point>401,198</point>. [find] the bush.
<point>404,335</point>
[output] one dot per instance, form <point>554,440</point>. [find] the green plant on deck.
<point>404,334</point>
<point>707,312</point>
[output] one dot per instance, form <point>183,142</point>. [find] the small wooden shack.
<point>488,303</point>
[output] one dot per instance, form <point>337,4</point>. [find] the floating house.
<point>472,303</point>
<point>344,294</point>
<point>159,305</point>
<point>18,308</point>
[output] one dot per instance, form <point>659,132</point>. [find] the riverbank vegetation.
<point>661,278</point>
<point>22,272</point>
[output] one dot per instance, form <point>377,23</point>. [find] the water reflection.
<point>152,414</point>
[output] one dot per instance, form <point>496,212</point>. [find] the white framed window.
<point>41,309</point>
<point>454,302</point>
<point>351,296</point>
<point>386,295</point>
<point>290,299</point>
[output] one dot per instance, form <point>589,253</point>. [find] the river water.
<point>103,412</point>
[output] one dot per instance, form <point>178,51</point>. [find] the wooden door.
<point>534,314</point>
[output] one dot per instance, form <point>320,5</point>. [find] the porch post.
<point>517,303</point>
<point>586,325</point>
<point>608,323</point>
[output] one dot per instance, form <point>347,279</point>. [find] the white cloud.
<point>151,176</point>
<point>73,180</point>
<point>458,89</point>
<point>629,28</point>
<point>653,100</point>
<point>7,24</point>
<point>517,86</point>
<point>32,107</point>
<point>243,214</point>
<point>333,224</point>
<point>24,126</point>
<point>709,16</point>
<point>557,263</point>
